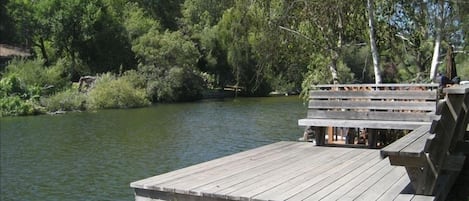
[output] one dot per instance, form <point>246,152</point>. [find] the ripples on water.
<point>94,156</point>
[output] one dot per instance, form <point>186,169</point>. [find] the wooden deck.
<point>284,171</point>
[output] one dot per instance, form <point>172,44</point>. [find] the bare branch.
<point>297,33</point>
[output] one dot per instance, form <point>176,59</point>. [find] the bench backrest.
<point>445,149</point>
<point>394,102</point>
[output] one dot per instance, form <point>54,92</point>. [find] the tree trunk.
<point>333,69</point>
<point>439,21</point>
<point>335,53</point>
<point>43,51</point>
<point>374,49</point>
<point>436,54</point>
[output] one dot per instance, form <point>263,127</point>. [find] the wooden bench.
<point>434,155</point>
<point>372,106</point>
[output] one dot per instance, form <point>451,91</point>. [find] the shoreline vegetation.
<point>142,52</point>
<point>29,88</point>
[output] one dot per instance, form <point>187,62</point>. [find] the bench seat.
<point>354,123</point>
<point>369,106</point>
<point>409,150</point>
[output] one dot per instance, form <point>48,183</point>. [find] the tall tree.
<point>233,31</point>
<point>374,49</point>
<point>199,21</point>
<point>436,51</point>
<point>330,25</point>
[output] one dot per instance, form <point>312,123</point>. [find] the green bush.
<point>33,74</point>
<point>179,85</point>
<point>18,99</point>
<point>15,106</point>
<point>23,84</point>
<point>135,78</point>
<point>68,100</point>
<point>112,92</point>
<point>10,85</point>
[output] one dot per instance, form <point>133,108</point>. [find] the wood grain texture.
<point>280,171</point>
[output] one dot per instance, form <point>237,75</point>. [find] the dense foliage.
<point>164,51</point>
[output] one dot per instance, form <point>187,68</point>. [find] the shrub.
<point>135,78</point>
<point>112,92</point>
<point>10,85</point>
<point>15,106</point>
<point>23,83</point>
<point>32,73</point>
<point>68,100</point>
<point>18,99</point>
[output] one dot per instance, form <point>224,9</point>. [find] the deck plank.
<point>282,171</point>
<point>404,197</point>
<point>395,189</point>
<point>378,188</point>
<point>347,187</point>
<point>148,183</point>
<point>188,182</point>
<point>225,184</point>
<point>337,180</point>
<point>248,171</point>
<point>368,183</point>
<point>268,182</point>
<point>296,185</point>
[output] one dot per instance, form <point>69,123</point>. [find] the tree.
<point>7,26</point>
<point>419,28</point>
<point>328,26</point>
<point>199,21</point>
<point>165,11</point>
<point>167,60</point>
<point>84,32</point>
<point>233,30</point>
<point>444,17</point>
<point>137,23</point>
<point>31,24</point>
<point>374,49</point>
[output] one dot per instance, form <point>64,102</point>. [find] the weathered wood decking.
<point>284,171</point>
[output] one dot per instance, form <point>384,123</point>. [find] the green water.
<point>94,156</point>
